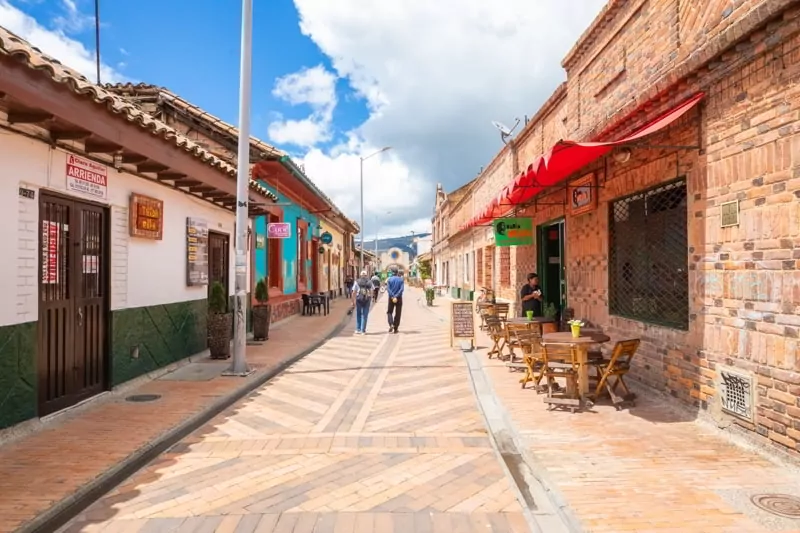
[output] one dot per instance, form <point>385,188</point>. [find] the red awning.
<point>563,160</point>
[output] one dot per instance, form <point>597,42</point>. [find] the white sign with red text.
<point>86,176</point>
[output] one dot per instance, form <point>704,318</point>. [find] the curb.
<point>68,508</point>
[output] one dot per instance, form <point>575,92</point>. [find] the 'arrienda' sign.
<point>279,230</point>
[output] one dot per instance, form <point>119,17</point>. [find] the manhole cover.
<point>778,504</point>
<point>143,398</point>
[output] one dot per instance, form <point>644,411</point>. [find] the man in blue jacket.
<point>394,291</point>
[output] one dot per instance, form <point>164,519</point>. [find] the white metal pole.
<point>239,365</point>
<point>361,172</point>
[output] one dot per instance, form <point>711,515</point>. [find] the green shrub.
<point>262,294</point>
<point>217,299</point>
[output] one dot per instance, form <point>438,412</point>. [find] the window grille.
<point>648,247</point>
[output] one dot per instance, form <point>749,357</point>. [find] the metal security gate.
<point>218,259</point>
<point>73,310</point>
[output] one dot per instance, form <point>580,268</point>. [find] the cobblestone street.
<point>368,433</point>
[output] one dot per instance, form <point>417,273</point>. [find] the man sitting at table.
<point>531,296</point>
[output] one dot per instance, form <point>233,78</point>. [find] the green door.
<point>552,269</point>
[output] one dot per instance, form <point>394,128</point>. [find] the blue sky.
<point>334,82</point>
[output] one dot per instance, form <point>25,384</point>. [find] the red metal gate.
<point>73,262</point>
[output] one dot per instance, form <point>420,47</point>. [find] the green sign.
<point>513,232</point>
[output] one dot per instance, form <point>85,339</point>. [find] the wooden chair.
<point>501,311</point>
<point>531,343</point>
<point>484,309</point>
<point>511,338</point>
<point>497,334</point>
<point>617,366</point>
<point>561,361</point>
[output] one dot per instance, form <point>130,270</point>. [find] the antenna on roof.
<point>97,38</point>
<point>505,131</point>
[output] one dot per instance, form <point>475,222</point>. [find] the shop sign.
<point>87,177</point>
<point>279,230</point>
<point>326,238</point>
<point>261,241</point>
<point>513,232</point>
<point>146,218</point>
<point>196,252</point>
<point>51,235</point>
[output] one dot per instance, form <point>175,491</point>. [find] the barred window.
<point>648,249</point>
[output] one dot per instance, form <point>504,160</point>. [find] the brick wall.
<point>479,267</point>
<point>505,266</point>
<point>27,259</point>
<point>488,266</point>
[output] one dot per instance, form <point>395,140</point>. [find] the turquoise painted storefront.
<point>291,213</point>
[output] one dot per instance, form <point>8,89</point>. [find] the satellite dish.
<point>505,131</point>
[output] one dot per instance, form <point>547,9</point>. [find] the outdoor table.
<point>582,344</point>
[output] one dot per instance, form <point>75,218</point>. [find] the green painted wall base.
<point>17,373</point>
<point>163,335</point>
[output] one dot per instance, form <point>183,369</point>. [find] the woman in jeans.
<point>362,296</point>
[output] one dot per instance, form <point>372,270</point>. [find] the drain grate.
<point>139,398</point>
<point>783,505</point>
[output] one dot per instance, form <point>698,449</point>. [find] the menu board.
<point>462,321</point>
<point>196,252</point>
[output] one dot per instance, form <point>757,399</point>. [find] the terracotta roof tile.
<point>13,46</point>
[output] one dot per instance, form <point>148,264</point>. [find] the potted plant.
<point>550,312</point>
<point>429,294</point>
<point>220,322</point>
<point>575,326</point>
<point>262,313</point>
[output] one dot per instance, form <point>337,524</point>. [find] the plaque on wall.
<point>146,217</point>
<point>196,252</point>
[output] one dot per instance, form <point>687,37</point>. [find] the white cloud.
<point>73,20</point>
<point>55,43</point>
<point>434,75</point>
<point>315,87</point>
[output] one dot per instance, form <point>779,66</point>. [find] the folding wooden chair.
<point>531,343</point>
<point>617,367</point>
<point>501,311</point>
<point>497,334</point>
<point>561,361</point>
<point>511,338</point>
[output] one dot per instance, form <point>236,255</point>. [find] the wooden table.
<point>582,344</point>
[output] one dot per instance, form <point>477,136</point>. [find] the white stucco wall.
<point>143,272</point>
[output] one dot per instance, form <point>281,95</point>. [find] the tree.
<point>425,269</point>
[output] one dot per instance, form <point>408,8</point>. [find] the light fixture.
<point>623,155</point>
<point>118,160</point>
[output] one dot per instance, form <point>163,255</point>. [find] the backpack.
<point>364,290</point>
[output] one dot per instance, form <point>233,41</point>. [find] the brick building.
<point>675,218</point>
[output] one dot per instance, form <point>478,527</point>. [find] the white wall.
<point>143,272</point>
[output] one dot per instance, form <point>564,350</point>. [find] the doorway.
<point>72,360</point>
<point>315,266</point>
<point>219,253</point>
<point>551,265</point>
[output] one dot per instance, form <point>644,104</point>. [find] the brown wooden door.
<point>73,308</point>
<point>219,250</point>
<point>315,266</point>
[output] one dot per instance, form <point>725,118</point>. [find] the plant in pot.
<point>550,312</point>
<point>429,294</point>
<point>575,326</point>
<point>262,312</point>
<point>220,322</point>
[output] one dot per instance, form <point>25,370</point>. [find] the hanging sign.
<point>196,252</point>
<point>87,177</point>
<point>279,230</point>
<point>513,232</point>
<point>146,217</point>
<point>326,238</point>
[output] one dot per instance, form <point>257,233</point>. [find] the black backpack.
<point>364,290</point>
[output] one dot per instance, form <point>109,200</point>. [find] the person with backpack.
<point>362,296</point>
<point>376,286</point>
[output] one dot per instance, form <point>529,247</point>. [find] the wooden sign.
<point>146,217</point>
<point>583,195</point>
<point>462,322</point>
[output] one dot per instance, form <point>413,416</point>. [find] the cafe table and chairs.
<point>580,345</point>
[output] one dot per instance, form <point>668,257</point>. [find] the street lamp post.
<point>385,148</point>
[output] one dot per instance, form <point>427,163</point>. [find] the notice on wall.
<point>146,217</point>
<point>462,321</point>
<point>196,252</point>
<point>87,177</point>
<point>51,235</point>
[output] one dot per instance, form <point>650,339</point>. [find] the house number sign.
<point>146,217</point>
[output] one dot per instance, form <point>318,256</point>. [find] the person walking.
<point>394,290</point>
<point>348,285</point>
<point>362,296</point>
<point>376,286</point>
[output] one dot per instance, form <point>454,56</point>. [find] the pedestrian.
<point>394,289</point>
<point>362,296</point>
<point>531,296</point>
<point>348,286</point>
<point>376,286</point>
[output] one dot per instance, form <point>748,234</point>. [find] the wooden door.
<point>219,254</point>
<point>315,266</point>
<point>73,306</point>
<point>330,271</point>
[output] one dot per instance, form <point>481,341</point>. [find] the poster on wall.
<point>146,217</point>
<point>51,232</point>
<point>87,177</point>
<point>196,252</point>
<point>279,230</point>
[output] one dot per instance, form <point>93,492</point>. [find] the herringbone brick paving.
<point>377,433</point>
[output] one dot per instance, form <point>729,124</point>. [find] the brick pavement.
<point>43,468</point>
<point>377,433</point>
<point>650,468</point>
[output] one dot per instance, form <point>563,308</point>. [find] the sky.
<point>337,81</point>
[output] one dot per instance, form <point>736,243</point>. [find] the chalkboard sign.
<point>462,319</point>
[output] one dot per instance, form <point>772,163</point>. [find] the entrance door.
<point>315,266</point>
<point>552,268</point>
<point>73,310</point>
<point>219,250</point>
